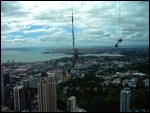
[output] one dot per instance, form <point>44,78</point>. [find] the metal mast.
<point>72,28</point>
<point>73,40</point>
<point>119,21</point>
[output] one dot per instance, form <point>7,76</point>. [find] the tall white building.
<point>47,96</point>
<point>19,98</point>
<point>2,86</point>
<point>125,100</point>
<point>71,104</point>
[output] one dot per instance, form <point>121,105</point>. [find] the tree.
<point>140,84</point>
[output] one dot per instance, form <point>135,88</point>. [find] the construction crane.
<point>120,39</point>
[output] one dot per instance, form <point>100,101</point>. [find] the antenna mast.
<point>72,27</point>
<point>119,21</point>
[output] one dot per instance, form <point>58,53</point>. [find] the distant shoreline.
<point>65,56</point>
<point>79,47</point>
<point>45,54</point>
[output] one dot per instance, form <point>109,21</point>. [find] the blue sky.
<point>48,23</point>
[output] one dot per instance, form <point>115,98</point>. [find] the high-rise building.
<point>125,100</point>
<point>7,95</point>
<point>47,97</point>
<point>58,76</point>
<point>33,81</point>
<point>71,104</point>
<point>2,86</point>
<point>25,83</point>
<point>19,98</point>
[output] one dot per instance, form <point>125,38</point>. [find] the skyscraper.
<point>19,98</point>
<point>47,95</point>
<point>125,100</point>
<point>71,104</point>
<point>2,86</point>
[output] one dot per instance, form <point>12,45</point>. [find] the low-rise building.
<point>132,82</point>
<point>4,109</point>
<point>146,83</point>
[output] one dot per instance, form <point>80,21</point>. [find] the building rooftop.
<point>72,97</point>
<point>18,87</point>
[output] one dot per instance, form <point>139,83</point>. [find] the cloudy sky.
<point>96,23</point>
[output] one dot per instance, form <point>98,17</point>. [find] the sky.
<point>96,23</point>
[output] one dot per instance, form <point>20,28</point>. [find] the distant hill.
<point>84,47</point>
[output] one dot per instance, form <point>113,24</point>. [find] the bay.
<point>36,54</point>
<point>29,55</point>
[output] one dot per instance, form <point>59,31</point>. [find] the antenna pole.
<point>119,21</point>
<point>72,27</point>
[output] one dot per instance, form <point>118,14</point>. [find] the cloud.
<point>12,9</point>
<point>14,40</point>
<point>93,21</point>
<point>34,31</point>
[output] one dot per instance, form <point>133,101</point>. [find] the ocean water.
<point>30,55</point>
<point>36,54</point>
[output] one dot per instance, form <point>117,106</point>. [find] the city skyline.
<point>91,85</point>
<point>30,24</point>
